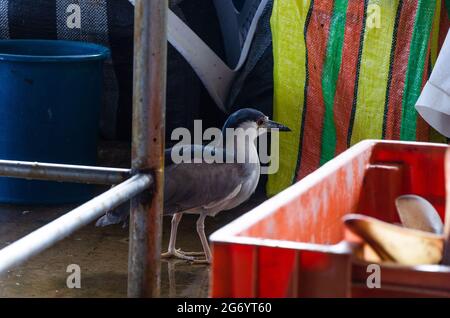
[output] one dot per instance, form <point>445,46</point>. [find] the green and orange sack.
<point>348,70</point>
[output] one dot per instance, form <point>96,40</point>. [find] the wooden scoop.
<point>397,244</point>
<point>417,213</point>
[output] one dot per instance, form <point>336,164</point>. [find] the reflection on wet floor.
<point>180,279</point>
<point>102,255</point>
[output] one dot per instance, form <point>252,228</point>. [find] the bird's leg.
<point>204,240</point>
<point>172,251</point>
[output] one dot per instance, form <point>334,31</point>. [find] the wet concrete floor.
<point>102,254</point>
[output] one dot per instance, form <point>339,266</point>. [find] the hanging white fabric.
<point>434,102</point>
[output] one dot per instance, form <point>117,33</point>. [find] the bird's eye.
<point>260,122</point>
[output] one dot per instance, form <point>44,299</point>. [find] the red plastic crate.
<point>293,244</point>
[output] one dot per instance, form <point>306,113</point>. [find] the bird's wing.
<point>232,195</point>
<point>192,185</point>
<point>189,186</point>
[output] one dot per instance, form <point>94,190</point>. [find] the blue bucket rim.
<point>103,52</point>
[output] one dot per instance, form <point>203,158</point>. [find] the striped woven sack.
<point>348,70</point>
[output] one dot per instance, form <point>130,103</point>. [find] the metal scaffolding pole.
<point>147,165</point>
<point>63,173</point>
<point>48,235</point>
<point>150,49</point>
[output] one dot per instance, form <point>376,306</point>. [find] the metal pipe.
<point>62,173</point>
<point>46,236</point>
<point>148,145</point>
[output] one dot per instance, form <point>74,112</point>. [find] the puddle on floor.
<point>102,254</point>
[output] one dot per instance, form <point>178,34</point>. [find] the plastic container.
<point>50,98</point>
<point>293,245</point>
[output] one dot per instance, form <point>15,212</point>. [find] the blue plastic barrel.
<point>50,98</point>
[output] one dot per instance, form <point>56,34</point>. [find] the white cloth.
<point>434,102</point>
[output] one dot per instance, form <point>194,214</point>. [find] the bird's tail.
<point>116,216</point>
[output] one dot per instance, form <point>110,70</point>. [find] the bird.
<point>208,187</point>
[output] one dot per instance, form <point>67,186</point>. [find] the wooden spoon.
<point>417,213</point>
<point>397,244</point>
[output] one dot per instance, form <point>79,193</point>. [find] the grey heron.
<point>206,187</point>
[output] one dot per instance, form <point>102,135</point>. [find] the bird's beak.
<point>271,125</point>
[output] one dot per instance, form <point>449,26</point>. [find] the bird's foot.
<point>201,262</point>
<point>188,256</point>
<point>198,254</point>
<point>199,258</point>
<point>178,255</point>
